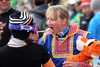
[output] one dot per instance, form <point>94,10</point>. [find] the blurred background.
<point>26,5</point>
<point>79,10</point>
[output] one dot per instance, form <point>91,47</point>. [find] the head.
<point>71,4</point>
<point>78,5</point>
<point>95,5</point>
<point>21,25</point>
<point>4,5</point>
<point>86,8</point>
<point>58,18</point>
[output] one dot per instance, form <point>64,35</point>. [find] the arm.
<point>70,64</point>
<point>48,64</point>
<point>80,59</point>
<point>92,27</point>
<point>76,64</point>
<point>46,60</point>
<point>84,63</point>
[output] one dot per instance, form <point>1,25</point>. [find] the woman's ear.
<point>64,21</point>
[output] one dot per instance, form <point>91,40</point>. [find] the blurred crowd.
<point>80,11</point>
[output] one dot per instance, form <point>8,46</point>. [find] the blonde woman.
<point>60,39</point>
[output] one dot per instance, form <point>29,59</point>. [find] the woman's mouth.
<point>52,29</point>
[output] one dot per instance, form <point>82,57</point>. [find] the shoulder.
<point>12,10</point>
<point>85,34</point>
<point>40,49</point>
<point>81,32</point>
<point>48,32</point>
<point>35,46</point>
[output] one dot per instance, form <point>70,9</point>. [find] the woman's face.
<point>54,25</point>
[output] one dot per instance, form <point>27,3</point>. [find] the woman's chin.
<point>54,32</point>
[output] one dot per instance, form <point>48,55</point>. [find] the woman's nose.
<point>49,22</point>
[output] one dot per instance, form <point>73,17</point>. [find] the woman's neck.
<point>63,32</point>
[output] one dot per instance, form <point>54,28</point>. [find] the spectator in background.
<point>24,5</point>
<point>5,11</point>
<point>88,14</point>
<point>38,13</point>
<point>78,5</point>
<point>71,8</point>
<point>94,24</point>
<point>79,14</point>
<point>20,51</point>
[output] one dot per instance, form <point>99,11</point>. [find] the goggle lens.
<point>23,27</point>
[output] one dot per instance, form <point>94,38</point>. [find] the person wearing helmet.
<point>20,51</point>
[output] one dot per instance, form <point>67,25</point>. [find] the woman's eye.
<point>52,19</point>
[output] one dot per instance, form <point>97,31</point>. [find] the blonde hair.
<point>59,10</point>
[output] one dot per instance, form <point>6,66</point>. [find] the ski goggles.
<point>23,27</point>
<point>4,0</point>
